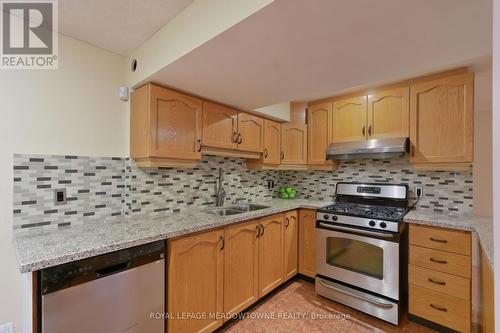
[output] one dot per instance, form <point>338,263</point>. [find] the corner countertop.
<point>482,225</point>
<point>42,248</point>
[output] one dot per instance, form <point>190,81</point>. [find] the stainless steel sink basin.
<point>238,209</point>
<point>249,207</point>
<point>225,211</point>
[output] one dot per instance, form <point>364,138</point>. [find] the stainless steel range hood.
<point>375,148</point>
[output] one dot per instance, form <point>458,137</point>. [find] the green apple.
<point>282,189</point>
<point>288,189</point>
<point>284,196</point>
<point>292,195</point>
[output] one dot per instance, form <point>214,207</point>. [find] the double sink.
<point>237,209</point>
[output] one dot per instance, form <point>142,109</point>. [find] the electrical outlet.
<point>59,197</point>
<point>7,328</point>
<point>270,184</point>
<point>419,192</point>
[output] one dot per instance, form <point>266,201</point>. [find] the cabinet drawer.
<point>442,309</point>
<point>455,264</point>
<point>441,282</point>
<point>441,239</point>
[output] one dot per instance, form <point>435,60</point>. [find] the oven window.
<point>356,256</point>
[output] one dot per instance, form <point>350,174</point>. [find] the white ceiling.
<point>119,26</point>
<point>303,50</point>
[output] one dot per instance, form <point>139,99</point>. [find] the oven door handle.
<point>358,231</point>
<point>379,304</point>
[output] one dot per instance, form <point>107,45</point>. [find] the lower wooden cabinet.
<point>241,266</point>
<point>307,242</point>
<point>219,273</point>
<point>270,253</point>
<point>291,250</point>
<point>195,281</point>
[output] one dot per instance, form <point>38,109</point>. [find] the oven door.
<point>362,258</point>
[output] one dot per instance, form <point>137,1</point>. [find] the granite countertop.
<point>482,225</point>
<point>42,248</point>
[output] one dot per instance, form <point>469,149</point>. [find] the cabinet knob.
<point>261,230</point>
<point>287,222</point>
<point>240,138</point>
<point>363,130</point>
<point>221,240</point>
<point>265,153</point>
<point>370,130</point>
<point>282,155</point>
<point>257,228</point>
<point>235,137</point>
<point>198,149</point>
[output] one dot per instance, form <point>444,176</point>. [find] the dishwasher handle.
<point>113,269</point>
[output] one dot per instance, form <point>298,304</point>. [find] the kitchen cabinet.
<point>290,240</point>
<point>165,127</point>
<point>389,113</point>
<point>349,119</point>
<point>319,132</point>
<point>272,142</point>
<point>441,122</point>
<point>220,126</point>
<point>195,281</point>
<point>250,132</point>
<point>241,266</point>
<point>270,253</point>
<point>293,144</point>
<point>307,242</point>
<point>439,276</point>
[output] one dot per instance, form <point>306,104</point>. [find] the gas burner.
<point>368,211</point>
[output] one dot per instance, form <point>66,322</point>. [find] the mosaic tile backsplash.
<point>104,188</point>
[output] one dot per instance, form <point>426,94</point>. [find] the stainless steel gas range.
<point>361,249</point>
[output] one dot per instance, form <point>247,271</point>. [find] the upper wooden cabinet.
<point>165,127</point>
<point>220,126</point>
<point>441,118</point>
<point>250,132</point>
<point>272,142</point>
<point>195,281</point>
<point>349,119</point>
<point>293,144</point>
<point>319,132</point>
<point>388,113</point>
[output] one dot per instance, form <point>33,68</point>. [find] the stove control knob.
<point>335,218</point>
<point>371,223</point>
<point>326,216</point>
<point>383,224</point>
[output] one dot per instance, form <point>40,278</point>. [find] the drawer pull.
<point>439,308</point>
<point>438,240</point>
<point>437,261</point>
<point>441,283</point>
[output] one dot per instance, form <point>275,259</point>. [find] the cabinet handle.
<point>370,130</point>
<point>412,150</point>
<point>258,231</point>
<point>438,240</point>
<point>235,137</point>
<point>439,308</point>
<point>282,155</point>
<point>221,240</point>
<point>438,261</point>
<point>199,145</point>
<point>441,283</point>
<point>363,130</point>
<point>287,222</point>
<point>240,138</point>
<point>261,230</point>
<point>265,153</point>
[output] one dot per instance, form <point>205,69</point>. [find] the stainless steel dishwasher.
<point>114,292</point>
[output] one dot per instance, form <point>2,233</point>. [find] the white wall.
<point>496,153</point>
<point>280,112</point>
<point>72,110</point>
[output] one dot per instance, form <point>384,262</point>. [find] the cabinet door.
<point>389,113</point>
<point>251,132</point>
<point>270,253</point>
<point>291,251</point>
<point>220,126</point>
<point>175,124</point>
<point>441,120</point>
<point>307,242</point>
<point>349,119</point>
<point>195,281</point>
<point>319,132</point>
<point>293,144</point>
<point>272,142</point>
<point>241,279</point>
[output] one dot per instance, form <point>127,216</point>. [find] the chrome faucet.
<point>220,193</point>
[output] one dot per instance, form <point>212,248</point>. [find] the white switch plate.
<point>7,328</point>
